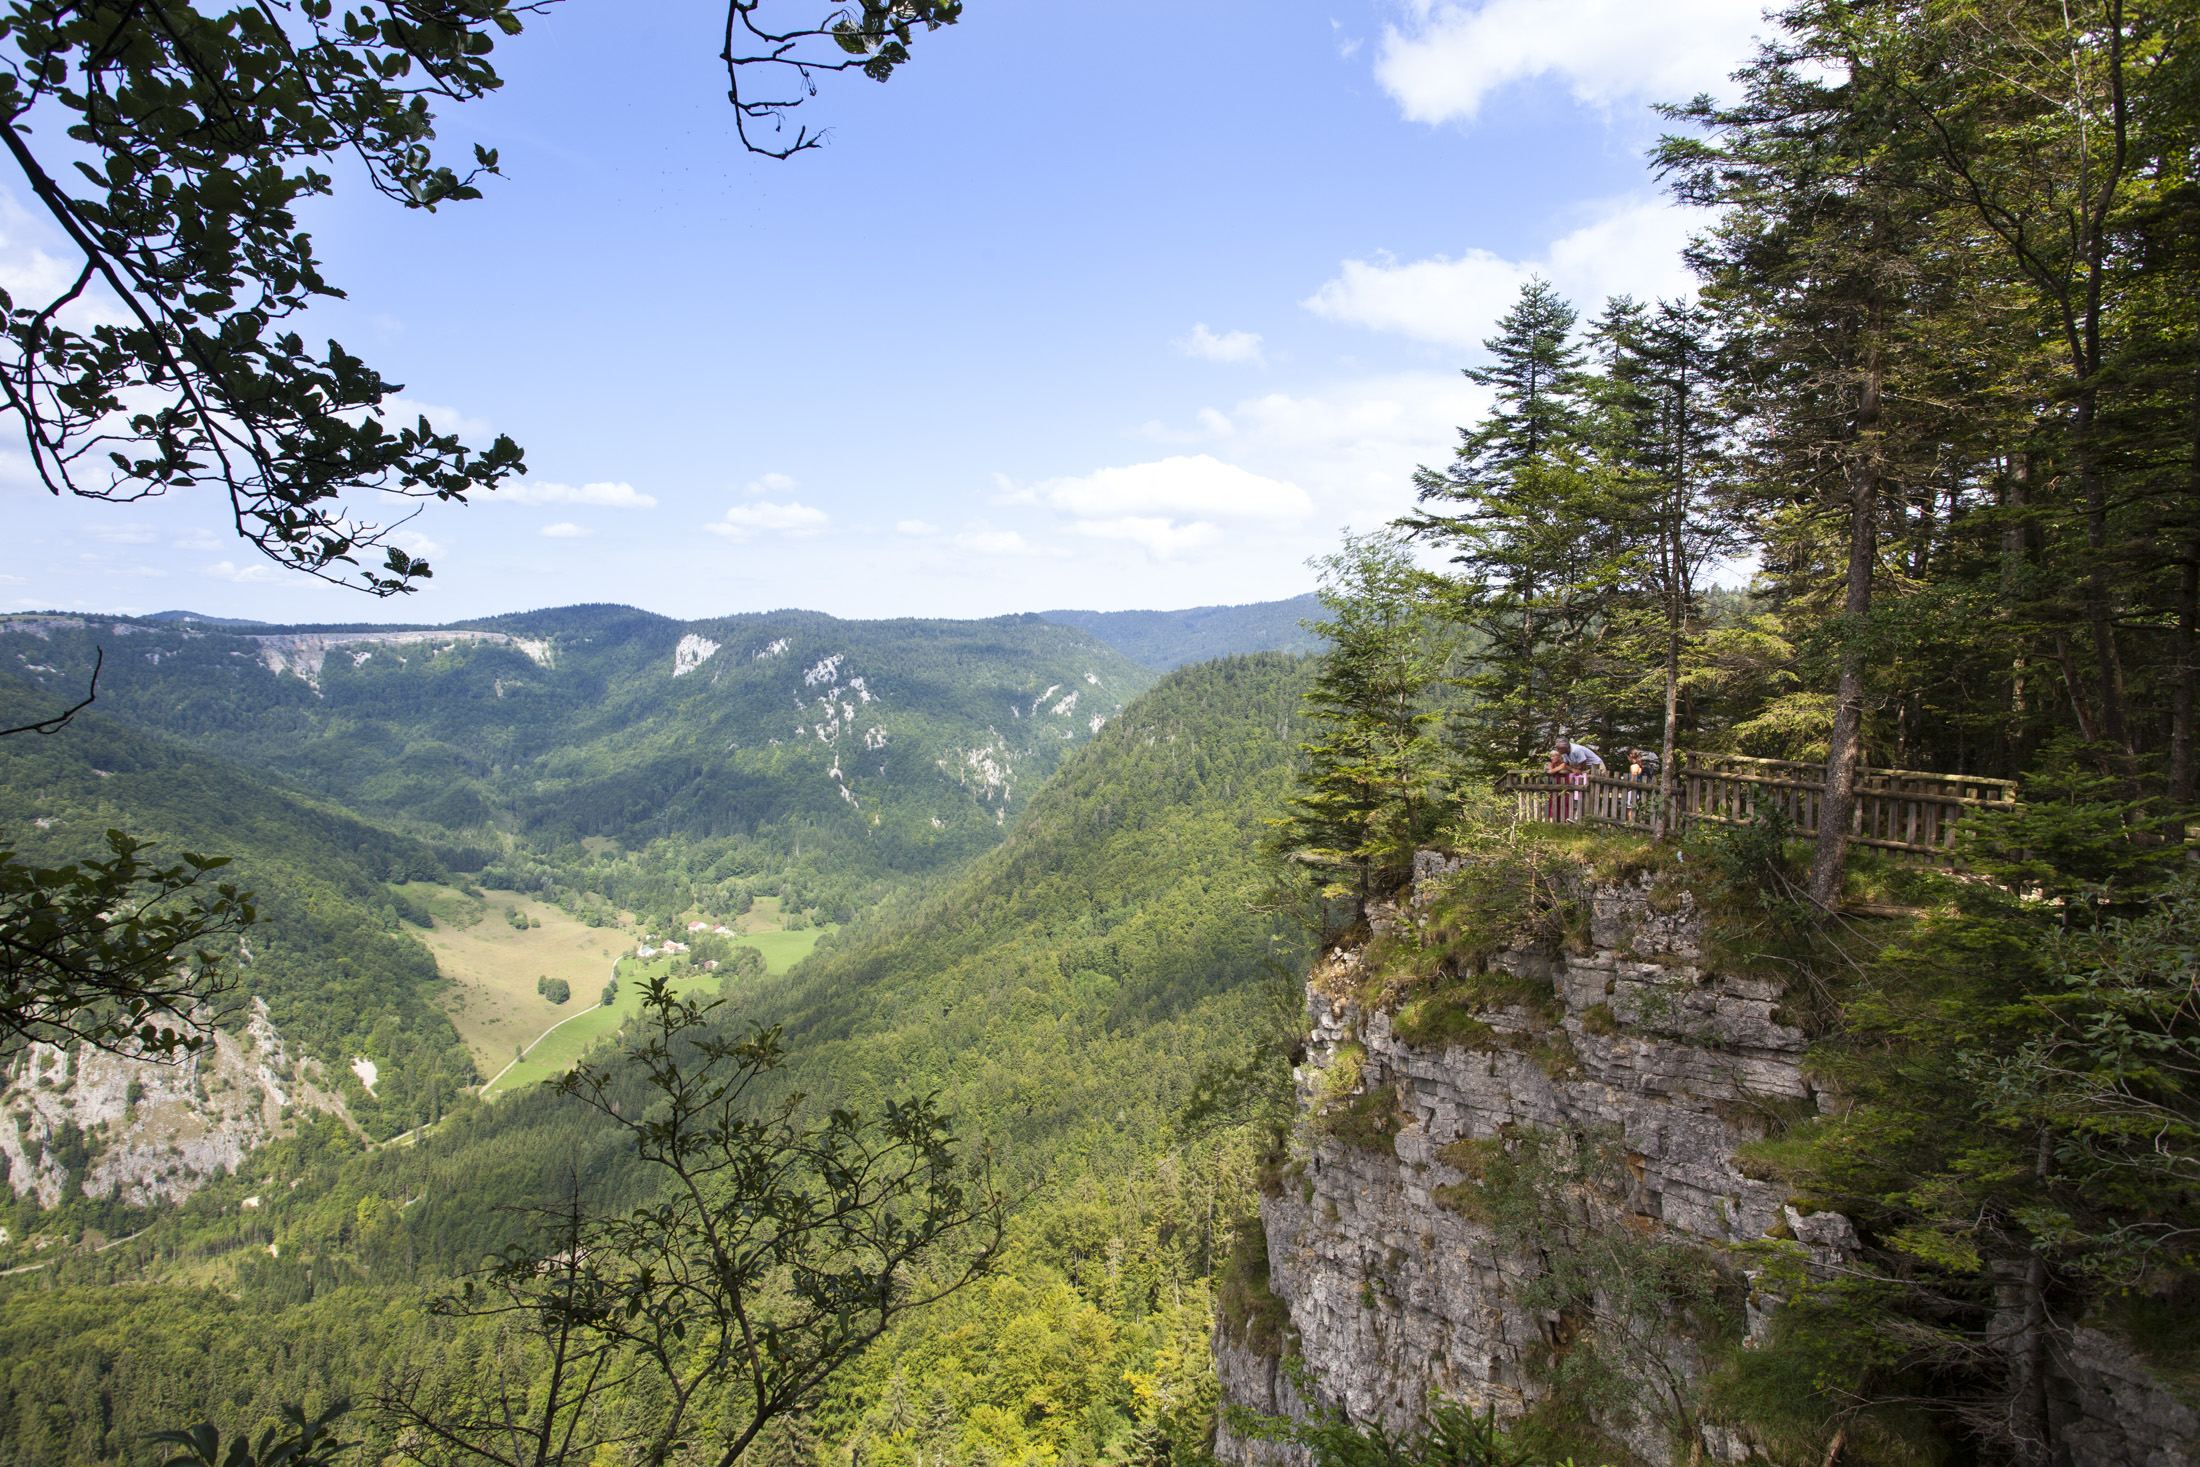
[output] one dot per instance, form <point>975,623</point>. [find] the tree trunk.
<point>1837,808</point>
<point>2028,1416</point>
<point>2100,608</point>
<point>2188,630</point>
<point>1665,821</point>
<point>2092,473</point>
<point>2089,727</point>
<point>1676,627</point>
<point>2015,540</point>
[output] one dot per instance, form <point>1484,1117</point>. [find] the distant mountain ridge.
<point>916,740</point>
<point>1163,640</point>
<point>201,619</point>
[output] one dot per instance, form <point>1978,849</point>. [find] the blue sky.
<point>1094,305</point>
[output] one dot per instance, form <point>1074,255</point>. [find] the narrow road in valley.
<point>545,1034</point>
<point>102,1248</point>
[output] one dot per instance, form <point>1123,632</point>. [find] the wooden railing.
<point>1908,813</point>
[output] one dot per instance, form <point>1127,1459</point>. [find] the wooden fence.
<point>1907,812</point>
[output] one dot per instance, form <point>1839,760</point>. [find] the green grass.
<point>566,1045</point>
<point>782,950</point>
<point>553,1054</point>
<point>450,905</point>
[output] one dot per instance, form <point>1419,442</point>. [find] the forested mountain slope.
<point>330,965</point>
<point>1072,982</point>
<point>907,742</point>
<point>1061,995</point>
<point>1166,639</point>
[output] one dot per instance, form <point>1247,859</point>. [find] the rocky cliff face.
<point>1389,1247</point>
<point>148,1132</point>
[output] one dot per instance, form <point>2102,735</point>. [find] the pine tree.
<point>1666,424</point>
<point>1823,222</point>
<point>1367,795</point>
<point>1537,379</point>
<point>1538,534</point>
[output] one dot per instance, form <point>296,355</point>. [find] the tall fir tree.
<point>1368,794</point>
<point>1535,524</point>
<point>1667,421</point>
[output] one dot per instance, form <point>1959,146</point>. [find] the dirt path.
<point>490,1084</point>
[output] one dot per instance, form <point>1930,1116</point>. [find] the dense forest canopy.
<point>1936,391</point>
<point>1911,481</point>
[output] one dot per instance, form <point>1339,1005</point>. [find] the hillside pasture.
<point>551,1054</point>
<point>782,950</point>
<point>492,966</point>
<point>563,1046</point>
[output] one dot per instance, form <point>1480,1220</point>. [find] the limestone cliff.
<point>1402,1275</point>
<point>147,1132</point>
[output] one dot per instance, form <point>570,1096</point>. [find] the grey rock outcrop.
<point>1394,1296</point>
<point>152,1131</point>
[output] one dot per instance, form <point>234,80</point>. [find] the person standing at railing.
<point>1554,807</point>
<point>1580,762</point>
<point>1642,768</point>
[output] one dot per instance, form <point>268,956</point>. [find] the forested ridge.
<point>1062,996</point>
<point>596,728</point>
<point>1934,397</point>
<point>331,957</point>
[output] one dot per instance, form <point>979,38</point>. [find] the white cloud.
<point>1183,485</point>
<point>199,540</point>
<point>122,534</point>
<point>915,527</point>
<point>565,530</point>
<point>1231,346</point>
<point>1168,506</point>
<point>1449,57</point>
<point>250,571</point>
<point>606,496</point>
<point>1162,539</point>
<point>769,484</point>
<point>1633,249</point>
<point>412,542</point>
<point>984,541</point>
<point>404,412</point>
<point>1354,443</point>
<point>1008,491</point>
<point>747,521</point>
<point>38,263</point>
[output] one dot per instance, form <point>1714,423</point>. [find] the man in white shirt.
<point>1582,759</point>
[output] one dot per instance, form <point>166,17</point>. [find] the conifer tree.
<point>1535,523</point>
<point>1537,379</point>
<point>1823,220</point>
<point>1666,425</point>
<point>1366,797</point>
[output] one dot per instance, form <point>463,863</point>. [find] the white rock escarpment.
<point>692,653</point>
<point>1394,1292</point>
<point>149,1131</point>
<point>304,653</point>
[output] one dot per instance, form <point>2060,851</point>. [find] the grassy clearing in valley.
<point>782,950</point>
<point>558,1051</point>
<point>492,966</point>
<point>562,1048</point>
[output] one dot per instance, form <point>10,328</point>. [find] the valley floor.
<point>494,965</point>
